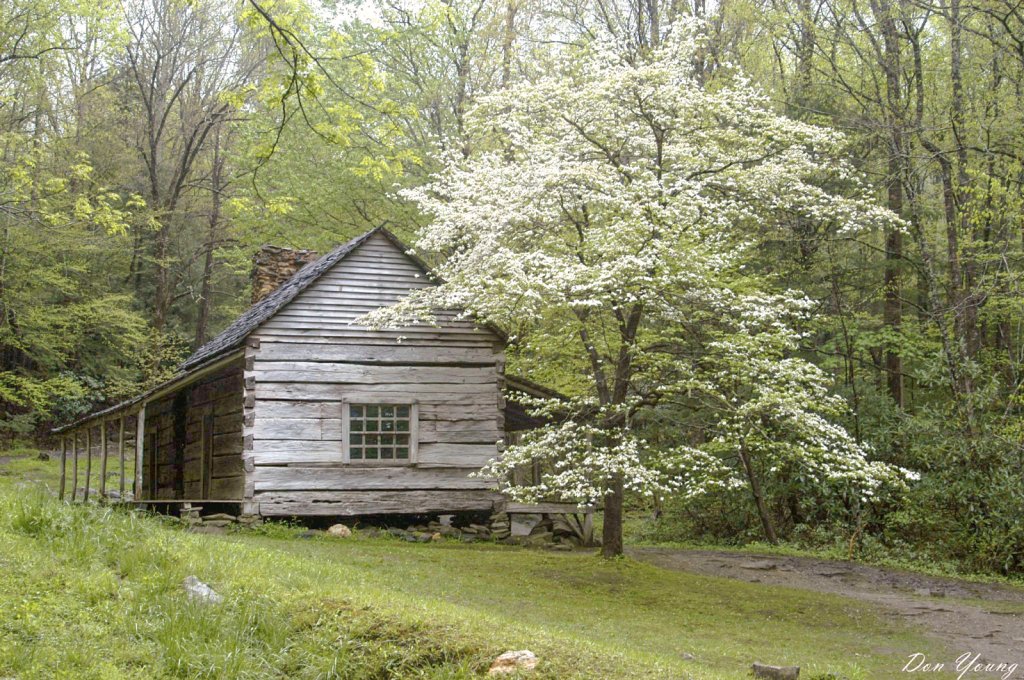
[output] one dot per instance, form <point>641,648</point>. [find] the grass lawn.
<point>92,592</point>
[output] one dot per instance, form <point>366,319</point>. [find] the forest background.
<point>148,147</point>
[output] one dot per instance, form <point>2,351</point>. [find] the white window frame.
<point>384,400</point>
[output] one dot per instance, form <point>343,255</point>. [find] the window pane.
<point>380,432</point>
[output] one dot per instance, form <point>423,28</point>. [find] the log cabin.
<point>294,410</point>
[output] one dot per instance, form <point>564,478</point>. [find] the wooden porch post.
<point>103,460</point>
<point>88,461</point>
<point>74,466</point>
<point>63,464</point>
<point>140,438</point>
<point>120,451</point>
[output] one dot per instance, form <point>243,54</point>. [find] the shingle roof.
<point>234,335</point>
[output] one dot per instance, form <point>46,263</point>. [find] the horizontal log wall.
<point>180,460</point>
<point>376,502</point>
<point>306,360</point>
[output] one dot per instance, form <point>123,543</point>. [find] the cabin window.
<point>383,434</point>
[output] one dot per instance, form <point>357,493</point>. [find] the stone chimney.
<point>272,266</point>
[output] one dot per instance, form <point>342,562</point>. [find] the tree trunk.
<point>962,259</point>
<point>892,315</point>
<point>893,312</point>
<point>507,44</point>
<point>803,76</point>
<point>202,322</point>
<point>967,307</point>
<point>163,278</point>
<point>755,487</point>
<point>203,318</point>
<point>611,534</point>
<point>655,14</point>
<point>952,349</point>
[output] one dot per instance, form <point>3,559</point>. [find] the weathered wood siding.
<point>176,423</point>
<point>305,360</point>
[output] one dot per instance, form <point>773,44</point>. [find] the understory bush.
<point>964,511</point>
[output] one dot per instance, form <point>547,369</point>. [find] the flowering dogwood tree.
<point>612,212</point>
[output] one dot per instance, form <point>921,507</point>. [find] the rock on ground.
<point>760,670</point>
<point>219,517</point>
<point>510,662</point>
<point>199,591</point>
<point>339,531</point>
<point>208,529</point>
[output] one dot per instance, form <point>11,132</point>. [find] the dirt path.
<point>993,628</point>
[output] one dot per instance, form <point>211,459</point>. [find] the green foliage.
<point>967,505</point>
<point>280,529</point>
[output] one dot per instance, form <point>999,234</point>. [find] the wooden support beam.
<point>180,501</point>
<point>120,451</point>
<point>547,509</point>
<point>88,462</point>
<point>103,459</point>
<point>63,464</point>
<point>74,466</point>
<point>140,438</point>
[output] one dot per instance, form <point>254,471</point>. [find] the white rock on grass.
<point>199,591</point>
<point>761,670</point>
<point>510,662</point>
<point>339,531</point>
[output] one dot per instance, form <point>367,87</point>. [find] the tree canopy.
<point>613,217</point>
